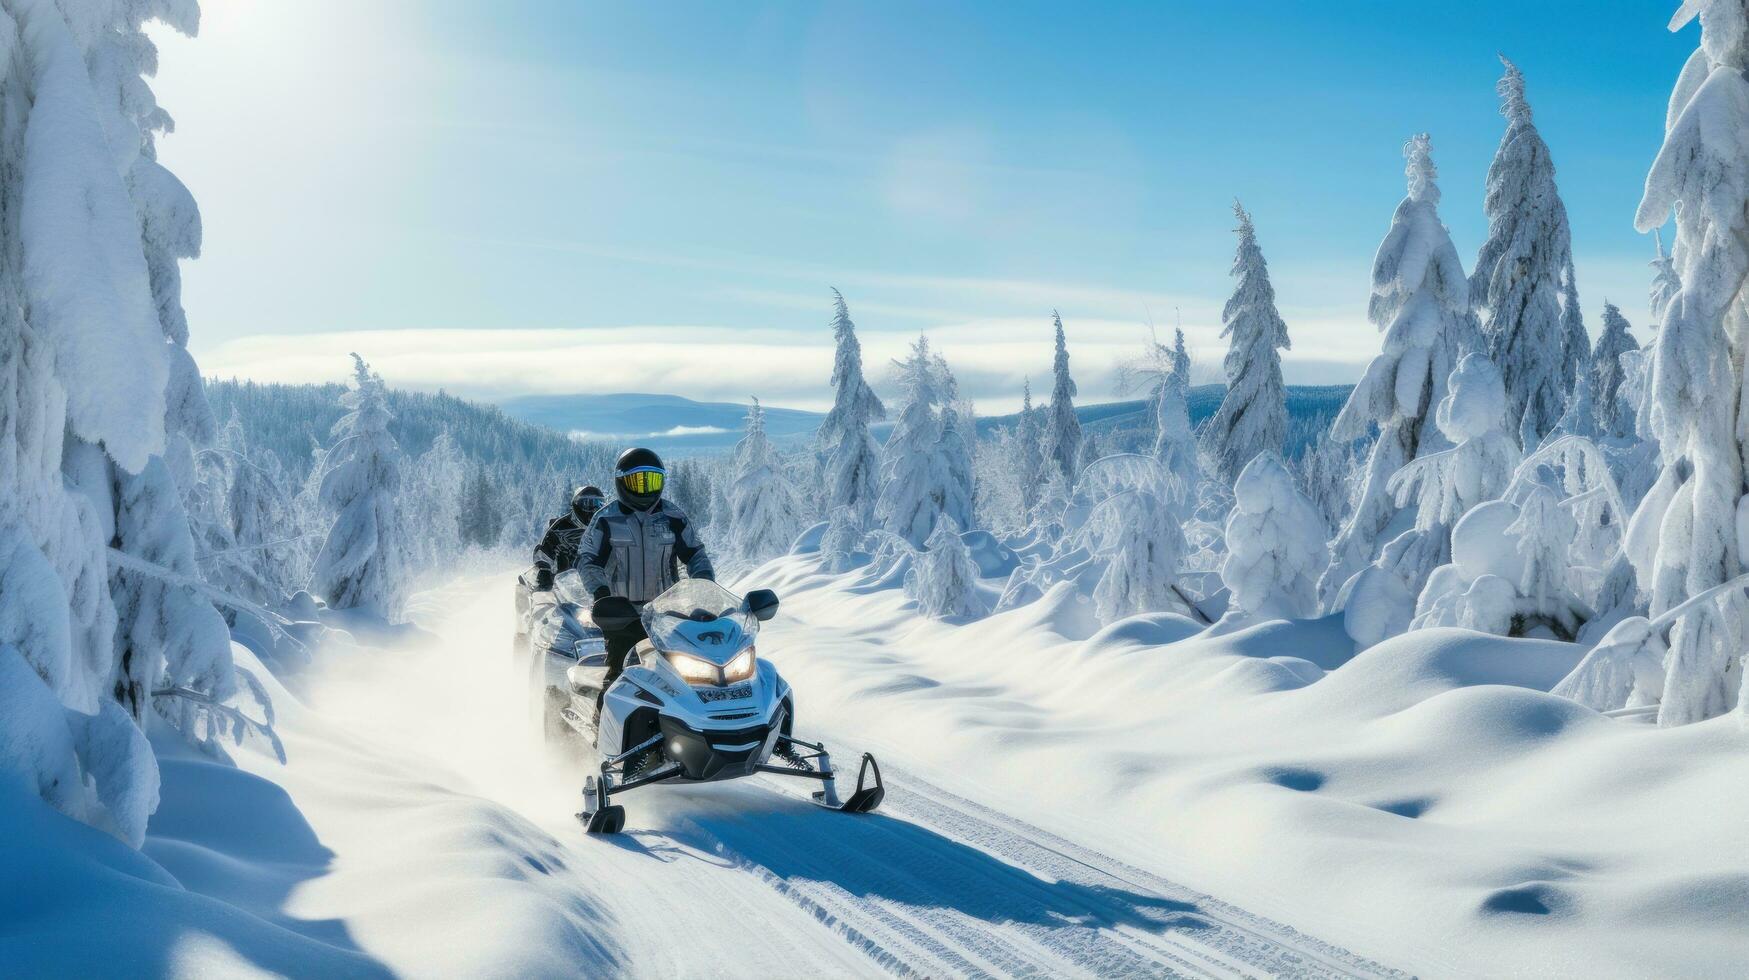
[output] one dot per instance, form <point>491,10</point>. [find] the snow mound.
<point>808,542</point>
<point>1405,670</point>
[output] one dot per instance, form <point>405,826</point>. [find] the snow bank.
<point>1423,802</point>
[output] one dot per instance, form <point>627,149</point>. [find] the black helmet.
<point>638,478</point>
<point>585,502</point>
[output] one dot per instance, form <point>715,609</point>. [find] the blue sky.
<point>557,196</point>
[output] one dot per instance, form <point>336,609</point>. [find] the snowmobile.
<point>555,634</point>
<point>696,704</point>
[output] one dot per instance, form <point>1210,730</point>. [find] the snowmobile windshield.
<point>701,618</point>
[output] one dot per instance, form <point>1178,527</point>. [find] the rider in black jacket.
<point>558,548</point>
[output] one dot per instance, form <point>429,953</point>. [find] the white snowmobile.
<point>696,704</point>
<point>554,635</point>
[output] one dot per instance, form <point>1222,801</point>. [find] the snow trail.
<point>749,877</point>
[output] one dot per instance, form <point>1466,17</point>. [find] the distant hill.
<point>1310,409</point>
<point>287,418</point>
<point>672,424</point>
<point>665,423</point>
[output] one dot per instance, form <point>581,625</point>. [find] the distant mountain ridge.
<point>665,423</point>
<point>672,423</point>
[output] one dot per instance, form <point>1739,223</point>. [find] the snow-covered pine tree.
<point>1576,353</point>
<point>363,562</point>
<point>1328,472</point>
<point>1253,413</point>
<point>251,514</point>
<point>1702,175</point>
<point>911,463</point>
<point>1063,432</point>
<point>1665,282</point>
<point>843,538</point>
<point>1142,542</point>
<point>958,429</point>
<point>944,579</point>
<point>1444,486</point>
<point>1029,456</point>
<point>1522,271</point>
<point>1275,543</point>
<point>1174,437</point>
<point>762,513</point>
<point>852,471</point>
<point>1163,373</point>
<point>92,372</point>
<point>480,518</point>
<point>1606,369</point>
<point>1420,302</point>
<point>1545,531</point>
<point>440,483</point>
<point>1581,417</point>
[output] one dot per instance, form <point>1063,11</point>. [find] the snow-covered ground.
<point>1058,805</point>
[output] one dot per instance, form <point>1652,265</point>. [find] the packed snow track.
<point>936,885</point>
<point>725,879</point>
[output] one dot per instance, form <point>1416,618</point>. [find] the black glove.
<point>543,580</point>
<point>601,593</point>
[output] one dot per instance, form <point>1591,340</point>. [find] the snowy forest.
<point>178,550</point>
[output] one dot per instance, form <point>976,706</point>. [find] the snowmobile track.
<point>936,885</point>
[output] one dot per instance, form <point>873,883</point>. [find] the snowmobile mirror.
<point>614,613</point>
<point>762,603</point>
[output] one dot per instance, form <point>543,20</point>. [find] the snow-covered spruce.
<point>1607,370</point>
<point>1029,441</point>
<point>1136,530</point>
<point>363,562</point>
<point>104,408</point>
<point>852,470</point>
<point>1702,175</point>
<point>1062,438</point>
<point>1275,544</point>
<point>1174,437</point>
<point>1445,485</point>
<point>762,512</point>
<point>1420,302</point>
<point>1576,353</point>
<point>480,518</point>
<point>1330,471</point>
<point>1544,534</point>
<point>1580,417</point>
<point>440,483</point>
<point>954,447</point>
<point>911,472</point>
<point>1520,272</point>
<point>1665,282</point>
<point>1386,598</point>
<point>842,541</point>
<point>943,578</point>
<point>1163,373</point>
<point>1253,413</point>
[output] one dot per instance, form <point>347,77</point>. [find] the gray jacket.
<point>638,553</point>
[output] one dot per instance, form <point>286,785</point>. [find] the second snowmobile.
<point>555,634</point>
<point>696,704</point>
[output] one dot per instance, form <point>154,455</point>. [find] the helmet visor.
<point>643,479</point>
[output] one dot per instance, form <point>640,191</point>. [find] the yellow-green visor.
<point>644,479</point>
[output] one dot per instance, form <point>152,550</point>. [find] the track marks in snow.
<point>936,885</point>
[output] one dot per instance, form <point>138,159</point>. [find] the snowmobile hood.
<point>717,641</point>
<point>700,618</point>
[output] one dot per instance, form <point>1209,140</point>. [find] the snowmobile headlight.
<point>693,670</point>
<point>740,668</point>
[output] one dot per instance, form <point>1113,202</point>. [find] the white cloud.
<point>782,367</point>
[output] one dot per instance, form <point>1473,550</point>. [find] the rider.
<point>636,547</point>
<point>557,551</point>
